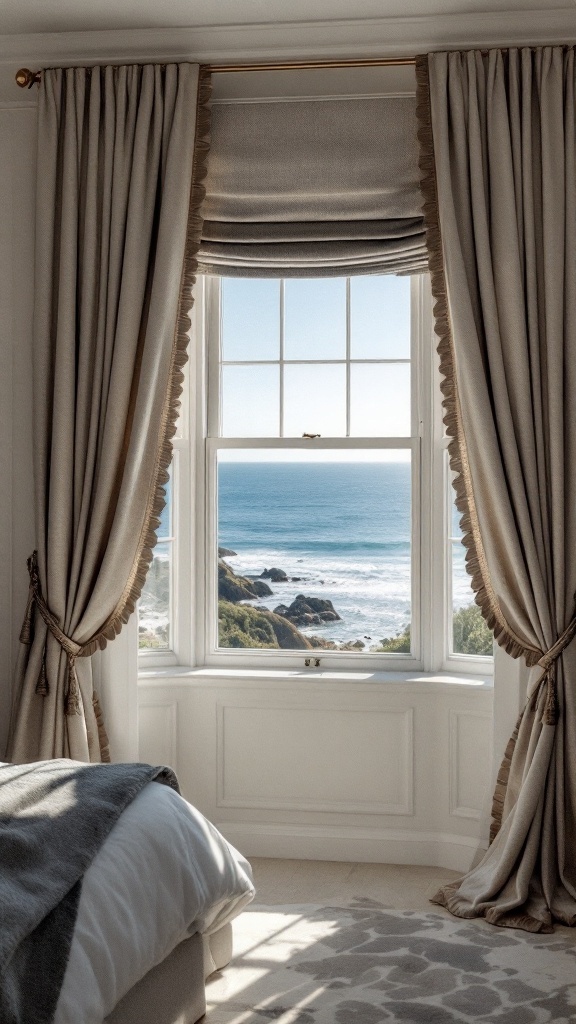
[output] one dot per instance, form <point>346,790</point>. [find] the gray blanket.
<point>54,816</point>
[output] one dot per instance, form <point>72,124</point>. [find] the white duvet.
<point>163,874</point>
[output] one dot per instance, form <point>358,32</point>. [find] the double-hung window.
<point>317,496</point>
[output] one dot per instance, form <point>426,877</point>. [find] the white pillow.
<point>163,874</point>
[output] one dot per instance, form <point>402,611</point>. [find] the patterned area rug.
<point>365,964</point>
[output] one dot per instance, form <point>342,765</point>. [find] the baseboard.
<point>374,846</point>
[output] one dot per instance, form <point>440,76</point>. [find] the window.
<point>321,510</point>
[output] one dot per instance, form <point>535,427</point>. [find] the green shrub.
<point>471,635</point>
<point>243,626</point>
<point>398,644</point>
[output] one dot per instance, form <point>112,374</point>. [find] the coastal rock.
<point>289,638</point>
<point>274,575</point>
<point>244,626</point>
<point>308,611</point>
<point>226,553</point>
<point>321,643</point>
<point>237,588</point>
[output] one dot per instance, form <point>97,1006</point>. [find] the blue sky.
<point>315,329</point>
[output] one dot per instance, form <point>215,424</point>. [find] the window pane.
<point>469,631</point>
<point>315,318</point>
<point>380,400</point>
<point>314,550</point>
<point>380,317</point>
<point>165,528</point>
<point>250,401</point>
<point>315,400</point>
<point>154,608</point>
<point>250,319</point>
<point>456,516</point>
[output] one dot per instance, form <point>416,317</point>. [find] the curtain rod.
<point>26,78</point>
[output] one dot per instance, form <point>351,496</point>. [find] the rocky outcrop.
<point>308,611</point>
<point>237,588</point>
<point>274,575</point>
<point>243,626</point>
<point>226,553</point>
<point>289,638</point>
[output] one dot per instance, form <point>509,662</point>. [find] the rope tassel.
<point>42,684</point>
<point>551,711</point>
<point>72,702</point>
<point>26,631</point>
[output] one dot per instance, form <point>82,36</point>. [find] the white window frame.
<point>194,600</point>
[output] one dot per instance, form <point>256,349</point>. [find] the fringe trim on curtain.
<point>102,734</point>
<point>157,498</point>
<point>502,783</point>
<point>476,564</point>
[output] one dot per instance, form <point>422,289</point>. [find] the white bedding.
<point>163,874</point>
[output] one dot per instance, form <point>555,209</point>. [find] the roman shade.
<point>318,187</point>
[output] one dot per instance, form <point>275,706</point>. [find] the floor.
<point>404,887</point>
<point>285,882</point>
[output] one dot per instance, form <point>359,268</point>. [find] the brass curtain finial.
<point>26,78</point>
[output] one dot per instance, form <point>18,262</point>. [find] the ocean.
<point>343,528</point>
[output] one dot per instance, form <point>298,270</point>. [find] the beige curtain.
<point>497,134</point>
<point>121,151</point>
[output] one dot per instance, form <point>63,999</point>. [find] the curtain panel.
<point>498,156</point>
<point>121,154</point>
<point>313,188</point>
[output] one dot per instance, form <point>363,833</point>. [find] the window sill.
<point>302,679</point>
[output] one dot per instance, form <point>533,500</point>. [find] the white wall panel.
<point>470,749</point>
<point>158,732</point>
<point>315,759</point>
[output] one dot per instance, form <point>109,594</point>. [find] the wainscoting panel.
<point>330,767</point>
<point>470,743</point>
<point>302,758</point>
<point>157,723</point>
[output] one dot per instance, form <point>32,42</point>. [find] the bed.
<point>154,916</point>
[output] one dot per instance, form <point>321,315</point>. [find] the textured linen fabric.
<point>166,873</point>
<point>316,187</point>
<point>116,152</point>
<point>502,218</point>
<point>54,817</point>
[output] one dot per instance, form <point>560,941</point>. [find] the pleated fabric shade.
<point>316,187</point>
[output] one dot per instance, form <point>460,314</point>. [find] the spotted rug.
<point>365,964</point>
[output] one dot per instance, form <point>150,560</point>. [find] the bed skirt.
<point>173,991</point>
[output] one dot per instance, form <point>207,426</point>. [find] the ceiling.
<point>44,33</point>
<point>21,17</point>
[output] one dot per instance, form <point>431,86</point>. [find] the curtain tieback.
<point>548,663</point>
<point>69,646</point>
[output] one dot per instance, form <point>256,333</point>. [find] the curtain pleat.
<point>498,157</point>
<point>121,154</point>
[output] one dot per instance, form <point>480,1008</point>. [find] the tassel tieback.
<point>551,709</point>
<point>72,702</point>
